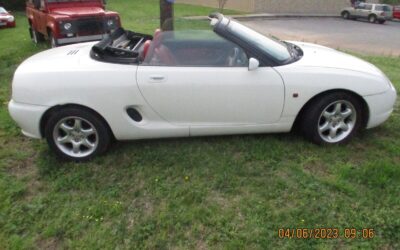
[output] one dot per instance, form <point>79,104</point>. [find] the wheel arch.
<point>49,31</point>
<point>46,116</point>
<point>345,11</point>
<point>373,14</point>
<point>364,104</point>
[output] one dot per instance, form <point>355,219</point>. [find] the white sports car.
<point>228,80</point>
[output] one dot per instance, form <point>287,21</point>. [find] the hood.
<point>79,11</point>
<point>321,56</point>
<point>67,58</point>
<point>5,16</point>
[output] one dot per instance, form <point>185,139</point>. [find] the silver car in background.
<point>374,13</point>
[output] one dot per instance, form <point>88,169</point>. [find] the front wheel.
<point>372,19</point>
<point>77,134</point>
<point>332,119</point>
<point>346,15</point>
<point>52,40</point>
<point>35,36</point>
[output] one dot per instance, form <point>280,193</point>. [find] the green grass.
<point>231,192</point>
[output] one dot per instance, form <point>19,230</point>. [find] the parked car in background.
<point>6,19</point>
<point>69,21</point>
<point>374,13</point>
<point>396,12</point>
<point>225,80</point>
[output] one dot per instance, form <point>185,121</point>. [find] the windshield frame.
<point>221,27</point>
<point>277,49</point>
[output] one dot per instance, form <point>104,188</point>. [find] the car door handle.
<point>157,78</point>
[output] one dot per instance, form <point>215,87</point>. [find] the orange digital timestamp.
<point>325,233</point>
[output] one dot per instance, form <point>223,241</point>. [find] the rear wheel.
<point>345,14</point>
<point>77,134</point>
<point>332,119</point>
<point>372,19</point>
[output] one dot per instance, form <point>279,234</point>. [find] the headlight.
<point>10,19</point>
<point>110,22</point>
<point>67,26</point>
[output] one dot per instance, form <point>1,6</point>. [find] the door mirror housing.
<point>253,64</point>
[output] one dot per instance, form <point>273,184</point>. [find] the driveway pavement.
<point>337,33</point>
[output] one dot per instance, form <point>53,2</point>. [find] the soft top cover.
<point>121,46</point>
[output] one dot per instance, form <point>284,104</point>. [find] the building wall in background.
<point>280,6</point>
<point>243,5</point>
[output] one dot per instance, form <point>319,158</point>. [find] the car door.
<point>367,10</point>
<point>203,87</point>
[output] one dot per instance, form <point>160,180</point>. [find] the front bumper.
<point>80,39</point>
<point>5,24</point>
<point>380,107</point>
<point>27,117</point>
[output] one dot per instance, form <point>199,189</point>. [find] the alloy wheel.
<point>337,121</point>
<point>75,137</point>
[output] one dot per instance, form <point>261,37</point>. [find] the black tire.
<point>382,21</point>
<point>102,138</point>
<point>372,18</point>
<point>52,40</point>
<point>313,113</point>
<point>346,15</point>
<point>35,36</point>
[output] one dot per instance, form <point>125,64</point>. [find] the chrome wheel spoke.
<point>88,144</point>
<point>344,126</point>
<point>65,139</point>
<point>67,129</point>
<point>76,147</point>
<point>327,114</point>
<point>338,108</point>
<point>324,127</point>
<point>88,132</point>
<point>333,133</point>
<point>348,112</point>
<point>78,124</point>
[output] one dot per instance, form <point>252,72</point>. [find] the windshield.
<point>270,45</point>
<point>382,8</point>
<point>2,10</point>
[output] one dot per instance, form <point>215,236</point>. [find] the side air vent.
<point>134,114</point>
<point>72,52</point>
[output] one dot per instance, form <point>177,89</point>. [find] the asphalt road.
<point>358,36</point>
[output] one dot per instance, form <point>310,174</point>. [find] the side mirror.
<point>253,64</point>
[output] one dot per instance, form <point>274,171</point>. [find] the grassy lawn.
<point>231,192</point>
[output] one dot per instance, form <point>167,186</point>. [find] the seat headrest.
<point>146,47</point>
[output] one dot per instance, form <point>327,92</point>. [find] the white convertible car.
<point>228,80</point>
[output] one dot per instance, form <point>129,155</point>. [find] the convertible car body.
<point>228,80</point>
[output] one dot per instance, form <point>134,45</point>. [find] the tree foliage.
<point>393,2</point>
<point>13,4</point>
